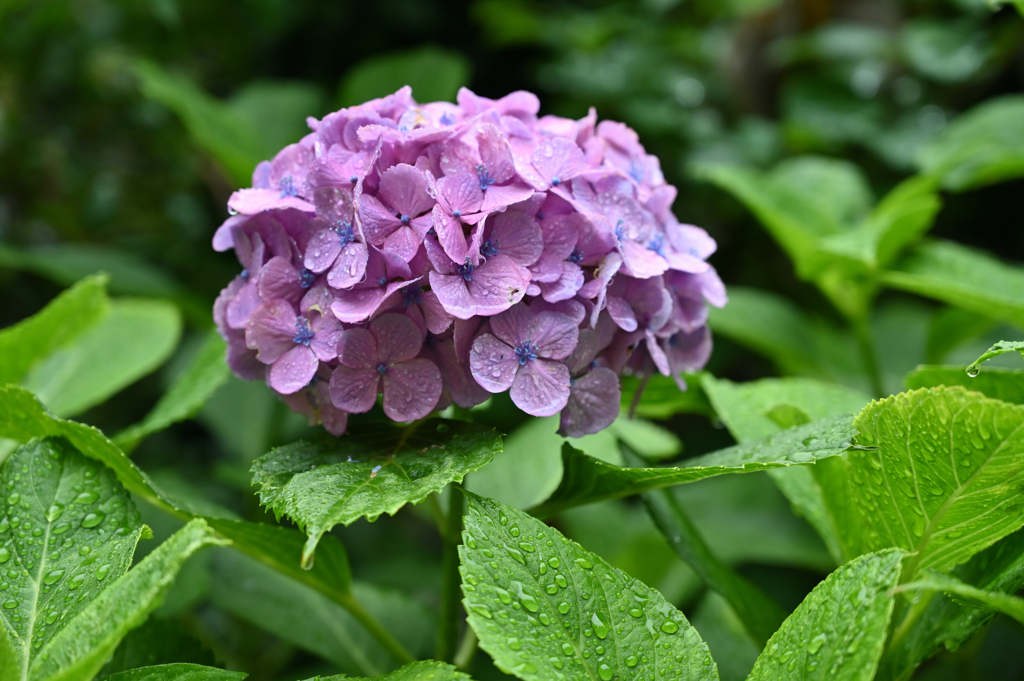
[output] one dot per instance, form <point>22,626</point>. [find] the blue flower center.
<point>620,230</point>
<point>382,369</point>
<point>526,351</point>
<point>657,244</point>
<point>412,295</point>
<point>490,248</point>
<point>346,235</point>
<point>555,182</point>
<point>382,281</point>
<point>353,179</point>
<point>636,172</point>
<point>303,334</point>
<point>576,257</point>
<point>306,278</point>
<point>404,219</point>
<point>447,118</point>
<point>245,275</point>
<point>287,186</point>
<point>466,271</point>
<point>485,179</point>
<point>456,213</point>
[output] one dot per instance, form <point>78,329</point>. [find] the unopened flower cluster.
<point>438,253</point>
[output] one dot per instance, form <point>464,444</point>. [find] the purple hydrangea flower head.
<point>383,358</point>
<point>436,253</point>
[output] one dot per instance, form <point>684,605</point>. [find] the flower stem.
<point>377,630</point>
<point>467,651</point>
<point>451,607</point>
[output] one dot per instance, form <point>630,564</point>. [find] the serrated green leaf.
<point>1001,384</point>
<point>433,73</point>
<point>65,318</point>
<point>544,608</point>
<point>424,670</point>
<point>130,341</point>
<point>187,394</point>
<point>586,480</point>
<point>177,672</point>
<point>838,632</point>
<point>983,146</point>
<point>328,481</point>
<point>307,619</point>
<point>944,478</point>
<point>930,580</point>
<point>963,277</point>
<point>940,621</point>
<point>57,499</point>
<point>85,643</point>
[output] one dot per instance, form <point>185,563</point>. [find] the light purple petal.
<point>561,233</point>
<point>241,307</point>
<point>497,285</point>
<point>326,333</point>
<point>434,314</point>
<point>376,220</point>
<point>495,154</point>
<point>499,197</point>
<point>657,354</point>
<point>568,284</point>
<point>541,387</point>
<point>621,313</point>
<point>354,390</point>
<point>404,188</point>
<point>293,370</point>
<point>404,242</point>
<point>411,389</point>
<point>398,338</point>
<point>350,267</point>
<point>459,192</point>
<point>514,325</point>
<point>458,379</point>
<point>517,236</point>
<point>450,235</point>
<point>689,351</point>
<point>641,262</point>
<point>453,294</point>
<point>334,205</point>
<point>252,201</point>
<point>493,363</point>
<point>279,280</point>
<point>358,305</point>
<point>322,250</point>
<point>558,160</point>
<point>593,403</point>
<point>223,238</point>
<point>357,349</point>
<point>271,329</point>
<point>554,334</point>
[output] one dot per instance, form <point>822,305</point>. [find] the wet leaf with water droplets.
<point>586,629</point>
<point>328,481</point>
<point>423,670</point>
<point>838,632</point>
<point>995,382</point>
<point>177,672</point>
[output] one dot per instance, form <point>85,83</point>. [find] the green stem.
<point>377,630</point>
<point>451,606</point>
<point>867,350</point>
<point>467,651</point>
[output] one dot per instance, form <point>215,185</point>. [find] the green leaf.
<point>57,499</point>
<point>981,147</point>
<point>662,398</point>
<point>130,341</point>
<point>759,613</point>
<point>85,643</point>
<point>946,50</point>
<point>527,468</point>
<point>730,644</point>
<point>942,480</point>
<point>328,481</point>
<point>930,580</point>
<point>157,642</point>
<point>278,111</point>
<point>838,632</point>
<point>187,394</point>
<point>586,480</point>
<point>1000,348</point>
<point>998,383</point>
<point>940,621</point>
<point>414,671</point>
<point>307,619</point>
<point>963,277</point>
<point>434,74</point>
<point>543,607</point>
<point>177,672</point>
<point>64,319</point>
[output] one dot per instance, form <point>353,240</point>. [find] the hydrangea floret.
<point>437,253</point>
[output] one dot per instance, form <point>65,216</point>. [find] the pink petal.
<point>322,250</point>
<point>514,325</point>
<point>497,285</point>
<point>453,294</point>
<point>568,284</point>
<point>493,363</point>
<point>495,154</point>
<point>334,205</point>
<point>459,192</point>
<point>350,267</point>
<point>326,333</point>
<point>541,387</point>
<point>555,335</point>
<point>279,280</point>
<point>404,242</point>
<point>241,307</point>
<point>376,220</point>
<point>450,235</point>
<point>223,239</point>
<point>404,188</point>
<point>293,370</point>
<point>434,314</point>
<point>593,403</point>
<point>398,338</point>
<point>558,160</point>
<point>354,390</point>
<point>271,329</point>
<point>357,349</point>
<point>252,201</point>
<point>499,197</point>
<point>411,389</point>
<point>640,261</point>
<point>518,236</point>
<point>621,313</point>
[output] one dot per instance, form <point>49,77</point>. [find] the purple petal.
<point>450,235</point>
<point>358,305</point>
<point>357,349</point>
<point>453,294</point>
<point>322,250</point>
<point>223,238</point>
<point>593,403</point>
<point>241,307</point>
<point>494,364</point>
<point>252,201</point>
<point>497,285</point>
<point>326,333</point>
<point>293,370</point>
<point>350,267</point>
<point>657,354</point>
<point>555,335</point>
<point>354,390</point>
<point>561,233</point>
<point>404,188</point>
<point>689,351</point>
<point>495,154</point>
<point>517,236</point>
<point>514,325</point>
<point>398,338</point>
<point>541,387</point>
<point>641,262</point>
<point>621,313</point>
<point>279,280</point>
<point>334,205</point>
<point>458,380</point>
<point>584,352</point>
<point>566,286</point>
<point>558,160</point>
<point>411,389</point>
<point>434,314</point>
<point>498,198</point>
<point>404,242</point>
<point>376,220</point>
<point>271,330</point>
<point>459,192</point>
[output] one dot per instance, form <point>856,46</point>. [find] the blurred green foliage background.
<point>126,124</point>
